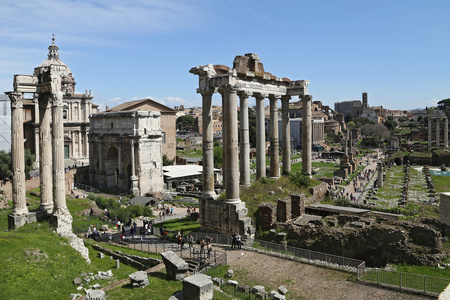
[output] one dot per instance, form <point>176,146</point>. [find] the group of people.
<point>166,212</point>
<point>206,242</point>
<point>236,242</point>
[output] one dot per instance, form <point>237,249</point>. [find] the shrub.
<point>300,179</point>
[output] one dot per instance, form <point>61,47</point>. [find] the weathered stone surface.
<point>230,273</point>
<point>233,283</point>
<point>198,287</point>
<point>139,279</point>
<point>95,295</point>
<point>104,275</point>
<point>176,267</point>
<point>243,288</point>
<point>258,288</point>
<point>101,255</point>
<point>282,290</point>
<point>219,281</point>
<point>177,296</point>
<point>97,286</point>
<point>104,228</point>
<point>77,281</point>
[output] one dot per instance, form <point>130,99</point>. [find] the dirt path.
<point>305,281</point>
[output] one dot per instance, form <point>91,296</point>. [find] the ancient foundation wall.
<point>444,208</point>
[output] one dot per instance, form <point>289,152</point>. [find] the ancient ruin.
<point>126,151</point>
<point>437,116</point>
<point>246,78</point>
<point>47,82</point>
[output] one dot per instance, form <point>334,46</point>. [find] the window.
<point>163,137</point>
<point>112,125</point>
<point>65,114</point>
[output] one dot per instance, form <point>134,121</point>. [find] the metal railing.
<point>406,281</point>
<point>328,260</point>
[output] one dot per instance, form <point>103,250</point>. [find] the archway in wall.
<point>112,166</point>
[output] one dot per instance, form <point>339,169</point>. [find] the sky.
<point>396,51</point>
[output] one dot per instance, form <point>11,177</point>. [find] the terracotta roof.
<point>133,105</point>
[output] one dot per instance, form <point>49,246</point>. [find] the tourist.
<point>132,232</point>
<point>238,241</point>
<point>89,232</point>
<point>191,240</point>
<point>183,241</point>
<point>233,240</point>
<point>208,239</point>
<point>165,233</point>
<point>142,233</point>
<point>208,250</point>
<point>202,246</point>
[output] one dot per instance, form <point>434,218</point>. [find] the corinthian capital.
<point>260,96</point>
<point>244,94</point>
<point>57,98</point>
<point>306,97</point>
<point>16,99</point>
<point>227,88</point>
<point>207,90</point>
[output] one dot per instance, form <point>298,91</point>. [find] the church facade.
<point>76,110</point>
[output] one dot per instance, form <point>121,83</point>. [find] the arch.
<point>112,166</point>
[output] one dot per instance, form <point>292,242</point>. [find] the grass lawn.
<point>441,183</point>
<point>323,169</point>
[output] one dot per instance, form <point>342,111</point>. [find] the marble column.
<point>438,135</point>
<point>45,160</point>
<point>286,134</point>
<point>274,141</point>
<point>208,143</point>
<point>429,132</point>
<point>260,137</point>
<point>134,178</point>
<point>244,166</point>
<point>59,190</point>
<point>380,174</point>
<point>306,134</point>
<point>18,155</point>
<point>231,167</point>
<point>446,132</point>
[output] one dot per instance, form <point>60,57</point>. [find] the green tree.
<point>185,123</point>
<point>390,124</point>
<point>167,161</point>
<point>218,157</point>
<point>5,165</point>
<point>29,161</point>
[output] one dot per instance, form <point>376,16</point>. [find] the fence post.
<point>378,276</point>
<point>424,284</point>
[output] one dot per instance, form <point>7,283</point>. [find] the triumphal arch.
<point>247,78</point>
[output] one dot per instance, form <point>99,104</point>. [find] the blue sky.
<point>396,51</point>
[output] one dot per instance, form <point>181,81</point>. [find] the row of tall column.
<point>438,133</point>
<point>51,144</point>
<point>237,171</point>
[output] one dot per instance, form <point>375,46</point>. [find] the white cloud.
<point>432,102</point>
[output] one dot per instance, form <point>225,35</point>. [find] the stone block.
<point>282,290</point>
<point>104,275</point>
<point>219,281</point>
<point>243,288</point>
<point>16,221</point>
<point>233,283</point>
<point>95,295</point>
<point>176,267</point>
<point>139,279</point>
<point>104,228</point>
<point>258,288</point>
<point>230,274</point>
<point>77,281</point>
<point>198,287</point>
<point>101,255</point>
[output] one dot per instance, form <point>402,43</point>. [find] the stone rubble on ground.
<point>95,295</point>
<point>139,279</point>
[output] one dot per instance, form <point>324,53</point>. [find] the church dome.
<point>67,80</point>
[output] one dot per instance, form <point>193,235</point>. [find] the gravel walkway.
<point>304,281</point>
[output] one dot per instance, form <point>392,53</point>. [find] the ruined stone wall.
<point>377,244</point>
<point>284,210</point>
<point>266,216</point>
<point>444,209</point>
<point>319,192</point>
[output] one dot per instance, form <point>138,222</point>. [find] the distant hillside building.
<point>353,108</point>
<point>168,121</point>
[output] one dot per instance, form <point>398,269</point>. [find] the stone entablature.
<point>126,151</point>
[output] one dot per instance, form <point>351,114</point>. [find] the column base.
<point>209,196</point>
<point>62,223</point>
<point>47,207</point>
<point>232,201</point>
<point>16,221</point>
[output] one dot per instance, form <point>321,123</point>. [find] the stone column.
<point>36,145</point>
<point>306,134</point>
<point>260,137</point>
<point>286,134</point>
<point>429,132</point>
<point>134,179</point>
<point>245,140</point>
<point>231,167</point>
<point>274,141</point>
<point>18,155</point>
<point>59,191</point>
<point>446,132</point>
<point>380,174</point>
<point>438,135</point>
<point>45,160</point>
<point>208,143</point>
